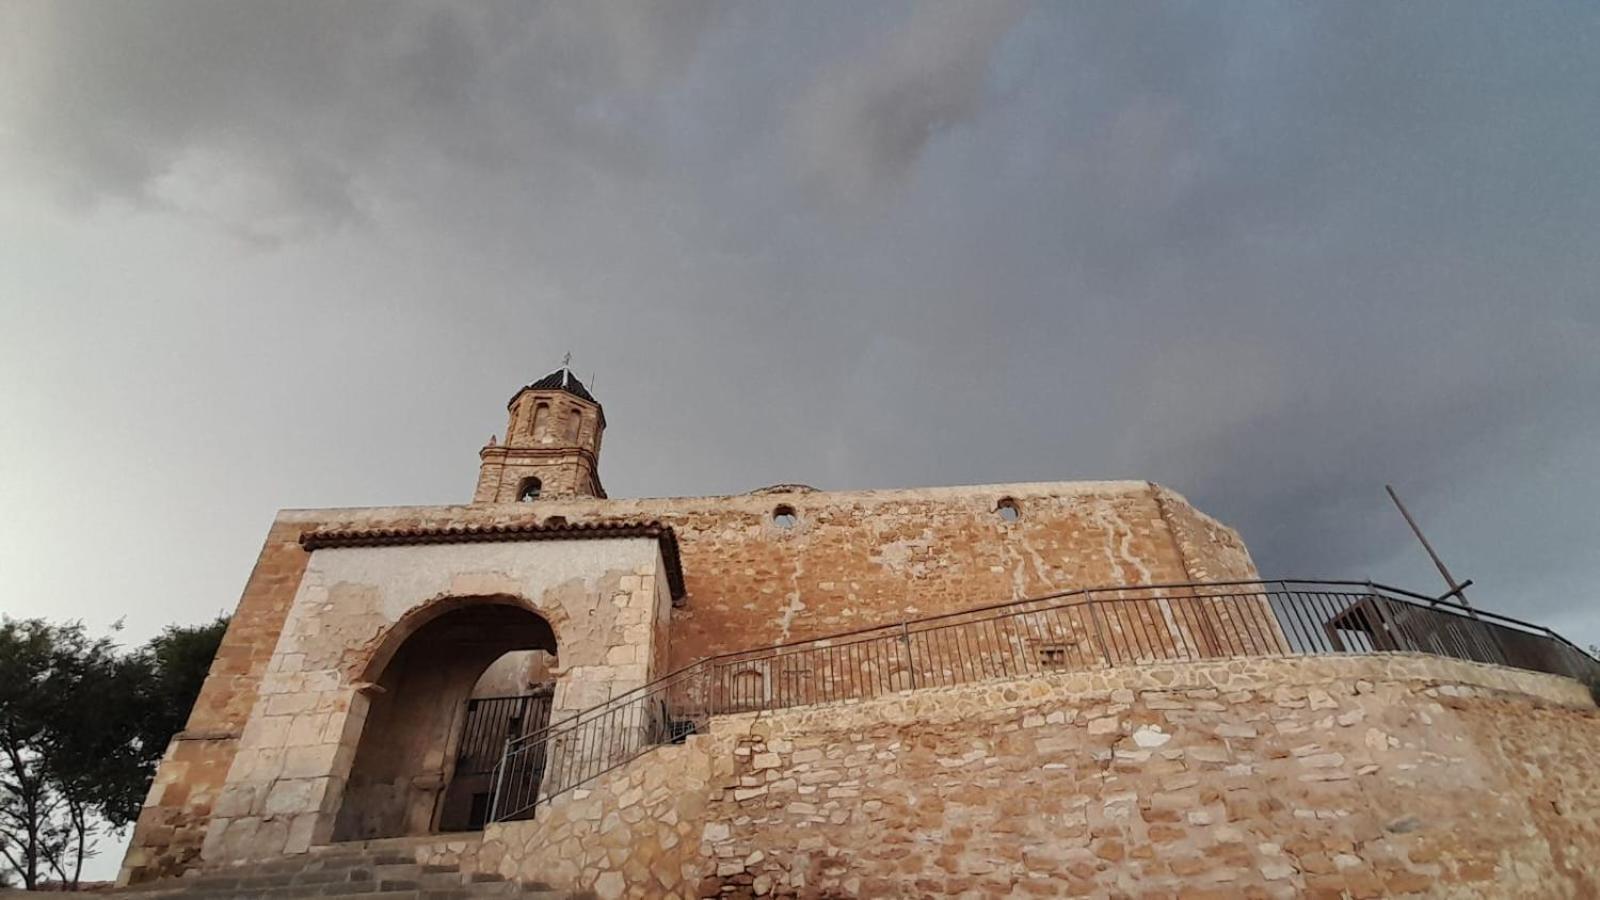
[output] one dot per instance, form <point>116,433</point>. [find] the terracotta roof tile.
<point>323,539</point>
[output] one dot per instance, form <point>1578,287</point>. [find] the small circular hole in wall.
<point>1008,510</point>
<point>554,521</point>
<point>784,517</point>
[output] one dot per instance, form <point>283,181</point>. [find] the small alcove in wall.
<point>1008,510</point>
<point>784,517</point>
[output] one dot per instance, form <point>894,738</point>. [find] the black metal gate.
<point>490,722</point>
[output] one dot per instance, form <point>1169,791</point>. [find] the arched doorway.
<point>407,756</point>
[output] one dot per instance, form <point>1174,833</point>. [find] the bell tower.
<point>551,448</point>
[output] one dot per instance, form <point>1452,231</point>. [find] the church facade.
<point>499,669</point>
<point>375,624</point>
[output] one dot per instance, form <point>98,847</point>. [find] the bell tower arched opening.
<point>404,779</point>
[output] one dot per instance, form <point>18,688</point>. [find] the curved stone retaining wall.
<point>1319,776</point>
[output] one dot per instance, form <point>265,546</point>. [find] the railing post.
<point>1381,618</point>
<point>499,781</point>
<point>1206,613</point>
<point>1275,617</point>
<point>1567,659</point>
<point>1495,642</point>
<point>1094,615</point>
<point>911,661</point>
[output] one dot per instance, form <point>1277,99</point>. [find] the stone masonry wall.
<point>634,832</point>
<point>1359,777</point>
<point>1210,550</point>
<point>855,559</point>
<point>564,461</point>
<point>172,825</point>
<point>288,777</point>
<point>560,474</point>
<point>1322,777</point>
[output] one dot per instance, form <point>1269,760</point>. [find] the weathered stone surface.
<point>649,855</point>
<point>1173,824</point>
<point>309,754</point>
<point>176,815</point>
<point>845,564</point>
<point>1359,776</point>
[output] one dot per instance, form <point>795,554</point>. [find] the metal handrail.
<point>1064,631</point>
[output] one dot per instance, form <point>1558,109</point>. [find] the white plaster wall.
<point>604,598</point>
<point>513,674</point>
<point>405,576</point>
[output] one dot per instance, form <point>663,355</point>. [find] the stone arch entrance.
<point>418,686</point>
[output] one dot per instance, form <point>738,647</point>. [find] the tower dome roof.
<point>563,380</point>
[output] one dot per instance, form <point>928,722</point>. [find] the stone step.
<point>391,883</point>
<point>448,877</point>
<point>410,842</point>
<point>283,878</point>
<point>426,894</point>
<point>340,863</point>
<point>380,891</point>
<point>393,857</point>
<point>380,869</point>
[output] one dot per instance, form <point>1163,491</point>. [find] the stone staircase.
<point>363,870</point>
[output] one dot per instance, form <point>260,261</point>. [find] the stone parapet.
<point>1382,775</point>
<point>636,831</point>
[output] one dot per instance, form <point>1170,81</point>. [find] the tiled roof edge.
<point>482,534</point>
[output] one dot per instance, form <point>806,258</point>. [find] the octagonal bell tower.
<point>552,444</point>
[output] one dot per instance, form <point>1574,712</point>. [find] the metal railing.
<point>1070,631</point>
<point>491,722</point>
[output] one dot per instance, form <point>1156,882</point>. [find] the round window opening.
<point>1008,511</point>
<point>784,517</point>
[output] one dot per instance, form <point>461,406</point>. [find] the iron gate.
<point>490,723</point>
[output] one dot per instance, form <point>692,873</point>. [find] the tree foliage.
<point>1593,678</point>
<point>82,726</point>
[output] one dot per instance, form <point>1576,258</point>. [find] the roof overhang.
<point>666,539</point>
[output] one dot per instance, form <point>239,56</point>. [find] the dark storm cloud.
<point>862,125</point>
<point>287,112</point>
<point>1272,255</point>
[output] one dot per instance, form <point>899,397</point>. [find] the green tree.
<point>82,727</point>
<point>47,673</point>
<point>1593,678</point>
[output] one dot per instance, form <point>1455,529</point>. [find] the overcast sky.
<point>262,255</point>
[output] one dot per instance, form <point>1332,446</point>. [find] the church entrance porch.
<point>361,728</point>
<point>408,776</point>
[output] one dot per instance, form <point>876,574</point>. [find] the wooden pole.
<point>1457,589</point>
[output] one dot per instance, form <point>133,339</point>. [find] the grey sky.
<point>256,255</point>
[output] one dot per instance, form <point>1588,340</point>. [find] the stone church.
<point>1072,688</point>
